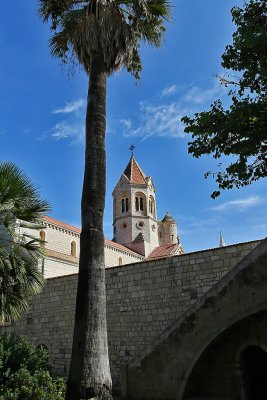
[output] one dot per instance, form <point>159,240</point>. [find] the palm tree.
<point>20,210</point>
<point>104,36</point>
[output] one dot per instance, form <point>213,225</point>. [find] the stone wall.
<point>53,268</point>
<point>112,255</point>
<point>143,299</point>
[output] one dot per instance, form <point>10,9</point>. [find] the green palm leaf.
<point>20,209</point>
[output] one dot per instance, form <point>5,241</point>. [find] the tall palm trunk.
<point>89,374</point>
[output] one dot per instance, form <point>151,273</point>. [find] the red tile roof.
<point>121,247</point>
<point>61,256</point>
<point>134,173</point>
<point>163,251</point>
<point>61,224</point>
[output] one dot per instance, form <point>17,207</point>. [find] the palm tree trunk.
<point>89,374</point>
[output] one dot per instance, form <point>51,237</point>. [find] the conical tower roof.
<point>134,173</point>
<point>168,218</point>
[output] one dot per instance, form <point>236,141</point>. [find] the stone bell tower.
<point>134,210</point>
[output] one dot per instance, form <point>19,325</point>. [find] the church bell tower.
<point>134,210</point>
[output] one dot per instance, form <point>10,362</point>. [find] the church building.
<point>138,234</point>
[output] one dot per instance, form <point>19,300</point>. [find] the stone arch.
<point>124,205</point>
<point>140,205</point>
<point>218,371</point>
<point>169,360</point>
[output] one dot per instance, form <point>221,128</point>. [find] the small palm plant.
<point>104,36</point>
<point>20,210</point>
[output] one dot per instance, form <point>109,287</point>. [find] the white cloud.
<point>240,204</point>
<point>64,130</point>
<point>157,120</point>
<point>197,95</point>
<point>127,123</point>
<point>70,107</point>
<point>169,90</point>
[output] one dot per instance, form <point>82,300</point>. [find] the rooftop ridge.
<point>61,224</point>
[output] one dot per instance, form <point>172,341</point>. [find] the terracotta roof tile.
<point>121,247</point>
<point>134,173</point>
<point>61,224</point>
<point>163,251</point>
<point>61,256</point>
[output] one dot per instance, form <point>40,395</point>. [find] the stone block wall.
<point>143,299</point>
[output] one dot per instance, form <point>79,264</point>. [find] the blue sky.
<point>42,122</point>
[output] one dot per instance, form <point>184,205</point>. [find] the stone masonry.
<point>143,299</point>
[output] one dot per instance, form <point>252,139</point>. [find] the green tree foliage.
<point>20,209</point>
<point>24,372</point>
<point>241,130</point>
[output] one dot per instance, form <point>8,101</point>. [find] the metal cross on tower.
<point>132,149</point>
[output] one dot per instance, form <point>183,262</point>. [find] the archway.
<point>233,365</point>
<point>253,364</point>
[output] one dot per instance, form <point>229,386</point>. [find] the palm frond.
<point>20,276</point>
<point>112,28</point>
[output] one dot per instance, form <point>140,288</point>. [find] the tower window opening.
<point>151,206</point>
<point>120,261</point>
<point>139,203</point>
<point>124,204</point>
<point>136,204</point>
<point>73,248</point>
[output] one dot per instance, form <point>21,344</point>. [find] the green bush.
<point>24,372</point>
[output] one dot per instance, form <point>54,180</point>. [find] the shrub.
<point>24,372</point>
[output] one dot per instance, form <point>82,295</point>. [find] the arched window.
<point>120,261</point>
<point>124,204</point>
<point>136,204</point>
<point>151,206</point>
<point>73,248</point>
<point>42,238</point>
<point>140,203</point>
